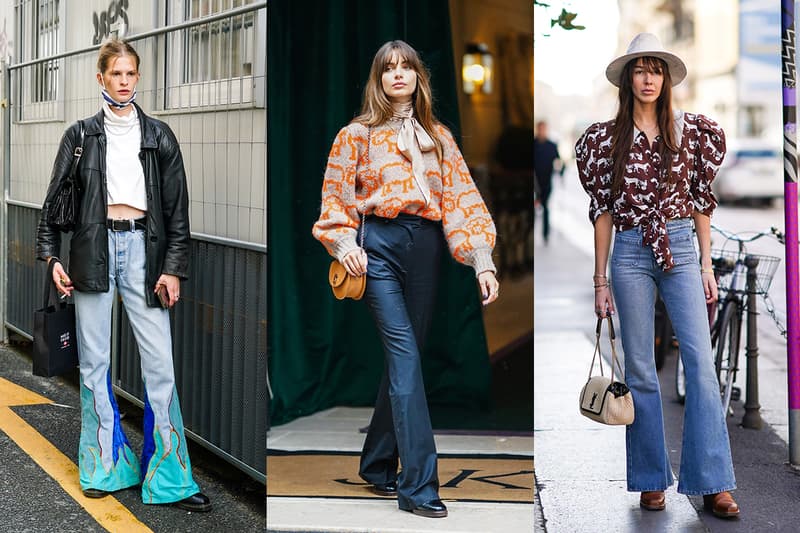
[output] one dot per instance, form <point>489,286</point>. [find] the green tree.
<point>565,19</point>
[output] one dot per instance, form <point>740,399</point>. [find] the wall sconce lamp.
<point>476,70</point>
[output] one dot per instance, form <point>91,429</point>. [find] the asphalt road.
<point>32,501</point>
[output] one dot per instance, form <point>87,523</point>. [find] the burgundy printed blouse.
<point>645,200</point>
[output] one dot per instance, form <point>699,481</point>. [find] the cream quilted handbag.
<point>603,399</point>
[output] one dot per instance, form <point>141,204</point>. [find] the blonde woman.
<point>132,236</point>
<point>399,166</point>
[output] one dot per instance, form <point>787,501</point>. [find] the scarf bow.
<point>412,140</point>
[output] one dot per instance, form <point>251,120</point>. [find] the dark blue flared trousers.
<point>404,255</point>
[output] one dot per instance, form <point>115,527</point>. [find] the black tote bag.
<point>55,349</point>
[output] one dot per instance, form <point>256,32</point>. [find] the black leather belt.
<point>126,224</point>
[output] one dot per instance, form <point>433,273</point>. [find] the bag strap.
<point>612,336</point>
<point>363,204</point>
<point>48,284</point>
<point>614,359</point>
<point>597,348</point>
<point>76,155</point>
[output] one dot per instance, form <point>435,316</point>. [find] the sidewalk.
<point>336,432</point>
<point>578,460</point>
<point>39,490</point>
<point>580,465</point>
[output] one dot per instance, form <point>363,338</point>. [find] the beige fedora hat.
<point>646,44</point>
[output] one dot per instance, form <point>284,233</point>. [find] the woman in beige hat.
<point>648,174</point>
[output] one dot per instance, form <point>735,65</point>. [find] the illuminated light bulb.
<point>475,73</point>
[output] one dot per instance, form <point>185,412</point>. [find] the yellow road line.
<point>13,394</point>
<point>108,511</point>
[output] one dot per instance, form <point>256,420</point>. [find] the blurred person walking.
<point>545,154</point>
<point>400,169</point>
<point>131,237</point>
<point>648,174</point>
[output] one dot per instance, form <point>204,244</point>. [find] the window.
<point>38,87</point>
<point>219,64</point>
<point>45,78</point>
<point>221,49</point>
<point>752,120</point>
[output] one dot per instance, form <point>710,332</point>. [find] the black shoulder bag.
<point>63,210</point>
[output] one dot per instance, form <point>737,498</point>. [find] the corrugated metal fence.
<point>219,328</point>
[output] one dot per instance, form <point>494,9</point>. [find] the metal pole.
<point>752,418</point>
<point>790,220</point>
<point>6,105</point>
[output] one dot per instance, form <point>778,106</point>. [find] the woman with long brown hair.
<point>400,169</point>
<point>648,174</point>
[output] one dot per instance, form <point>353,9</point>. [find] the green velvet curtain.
<point>323,352</point>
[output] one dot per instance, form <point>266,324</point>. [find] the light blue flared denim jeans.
<point>105,459</point>
<point>706,465</point>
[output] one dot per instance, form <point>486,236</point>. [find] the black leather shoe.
<point>198,503</point>
<point>431,509</point>
<point>385,489</point>
<point>95,493</point>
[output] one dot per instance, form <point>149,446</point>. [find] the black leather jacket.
<point>167,234</point>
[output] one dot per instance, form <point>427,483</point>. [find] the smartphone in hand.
<point>163,296</point>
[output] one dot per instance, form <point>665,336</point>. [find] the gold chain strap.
<point>363,204</point>
<point>612,338</point>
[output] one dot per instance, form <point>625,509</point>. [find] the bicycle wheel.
<point>663,334</point>
<point>727,351</point>
<point>680,380</point>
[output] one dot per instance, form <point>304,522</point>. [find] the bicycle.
<point>731,270</point>
<point>664,339</point>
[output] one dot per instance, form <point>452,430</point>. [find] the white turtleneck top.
<point>124,173</point>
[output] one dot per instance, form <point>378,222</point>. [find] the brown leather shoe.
<point>653,500</point>
<point>721,504</point>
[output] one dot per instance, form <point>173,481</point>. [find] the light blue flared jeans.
<point>105,459</point>
<point>706,465</point>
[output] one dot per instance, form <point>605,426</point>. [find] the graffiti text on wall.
<point>117,10</point>
<point>6,46</point>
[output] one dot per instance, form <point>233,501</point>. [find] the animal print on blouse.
<point>646,200</point>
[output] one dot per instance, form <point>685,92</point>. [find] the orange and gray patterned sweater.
<point>385,187</point>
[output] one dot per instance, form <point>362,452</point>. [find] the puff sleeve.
<point>593,158</point>
<point>339,219</point>
<point>709,153</point>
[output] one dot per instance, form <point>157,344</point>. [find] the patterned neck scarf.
<point>412,140</point>
<point>116,103</point>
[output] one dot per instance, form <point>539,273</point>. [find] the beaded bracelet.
<point>706,270</point>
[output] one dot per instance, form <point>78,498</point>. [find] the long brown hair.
<point>376,107</point>
<point>622,129</point>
